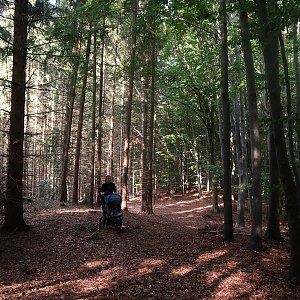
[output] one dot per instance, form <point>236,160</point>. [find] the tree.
<point>74,40</point>
<point>228,222</point>
<point>273,222</point>
<point>80,121</point>
<point>127,134</point>
<point>256,202</point>
<point>100,114</point>
<point>14,195</point>
<point>269,42</point>
<point>240,144</point>
<point>68,126</point>
<point>93,132</point>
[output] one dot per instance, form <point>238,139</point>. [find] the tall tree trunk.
<point>289,112</point>
<point>93,142</point>
<point>75,195</point>
<point>63,197</point>
<point>100,117</point>
<point>241,153</point>
<point>13,204</point>
<point>149,208</point>
<point>297,79</point>
<point>129,106</point>
<point>110,162</point>
<point>256,201</point>
<point>145,158</point>
<point>240,221</point>
<point>228,221</point>
<point>269,41</point>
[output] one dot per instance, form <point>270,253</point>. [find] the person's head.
<point>108,178</point>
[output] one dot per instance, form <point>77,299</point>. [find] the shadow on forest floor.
<point>177,253</point>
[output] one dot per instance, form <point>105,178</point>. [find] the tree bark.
<point>127,132</point>
<point>242,165</point>
<point>228,221</point>
<point>13,205</point>
<point>256,201</point>
<point>100,117</point>
<point>273,224</point>
<point>75,195</point>
<point>289,113</point>
<point>63,195</point>
<point>93,142</point>
<point>149,208</point>
<point>145,158</point>
<point>269,41</point>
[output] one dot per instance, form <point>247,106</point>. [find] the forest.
<point>193,108</point>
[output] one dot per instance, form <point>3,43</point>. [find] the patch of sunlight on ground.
<point>207,256</point>
<point>73,210</point>
<point>147,266</point>
<point>182,270</point>
<point>152,262</point>
<point>96,264</point>
<point>236,282</point>
<point>197,209</point>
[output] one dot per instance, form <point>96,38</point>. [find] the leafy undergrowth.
<point>177,253</point>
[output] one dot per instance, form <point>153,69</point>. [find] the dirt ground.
<point>177,253</point>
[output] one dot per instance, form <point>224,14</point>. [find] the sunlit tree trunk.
<point>13,205</point>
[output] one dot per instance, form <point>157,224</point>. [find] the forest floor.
<point>177,253</point>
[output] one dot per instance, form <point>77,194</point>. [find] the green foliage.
<point>40,12</point>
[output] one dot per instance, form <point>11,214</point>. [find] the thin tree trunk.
<point>13,204</point>
<point>75,195</point>
<point>93,142</point>
<point>129,107</point>
<point>110,162</point>
<point>149,209</point>
<point>100,118</point>
<point>212,163</point>
<point>228,221</point>
<point>145,158</point>
<point>241,152</point>
<point>256,201</point>
<point>289,112</point>
<point>240,221</point>
<point>63,194</point>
